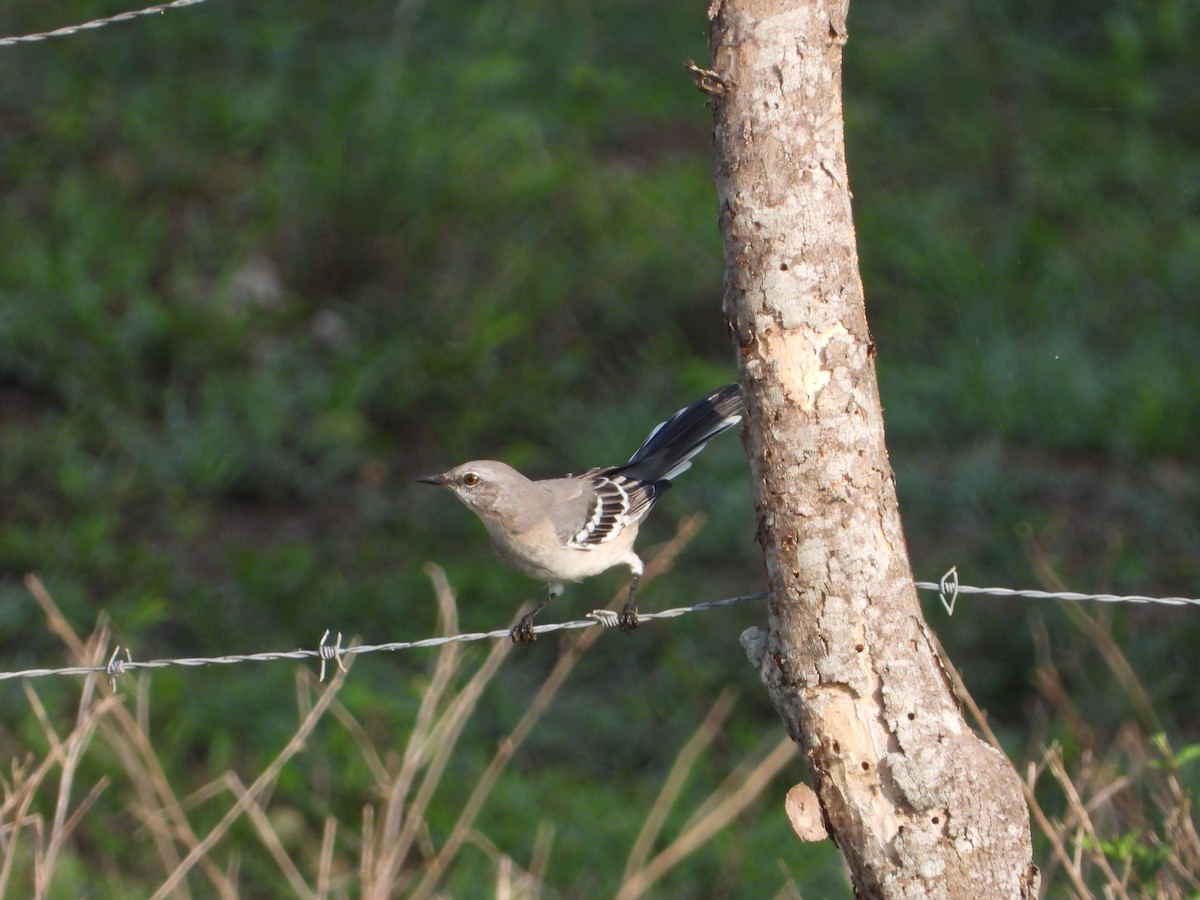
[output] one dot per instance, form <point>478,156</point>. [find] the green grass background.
<point>265,263</point>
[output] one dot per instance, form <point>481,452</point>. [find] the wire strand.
<point>948,589</point>
<point>118,665</point>
<point>95,23</point>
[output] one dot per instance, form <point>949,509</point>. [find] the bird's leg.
<point>523,630</point>
<point>628,619</point>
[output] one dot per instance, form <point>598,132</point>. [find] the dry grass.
<point>1127,826</point>
<point>1113,813</point>
<point>390,851</point>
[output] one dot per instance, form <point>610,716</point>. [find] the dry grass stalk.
<point>157,807</point>
<point>430,746</point>
<point>673,785</point>
<point>265,779</point>
<point>727,802</point>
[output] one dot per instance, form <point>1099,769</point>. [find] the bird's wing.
<point>615,503</point>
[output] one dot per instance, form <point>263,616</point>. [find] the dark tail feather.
<point>669,448</point>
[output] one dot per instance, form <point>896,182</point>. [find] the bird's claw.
<point>628,619</point>
<point>522,632</point>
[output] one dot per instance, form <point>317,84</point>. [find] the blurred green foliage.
<point>264,263</point>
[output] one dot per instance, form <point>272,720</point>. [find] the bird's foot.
<point>628,619</point>
<point>522,632</point>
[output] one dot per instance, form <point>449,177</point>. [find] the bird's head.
<point>480,484</point>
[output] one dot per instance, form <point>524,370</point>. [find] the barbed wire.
<point>96,23</point>
<point>335,652</point>
<point>948,590</point>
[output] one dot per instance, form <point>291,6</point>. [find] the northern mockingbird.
<point>570,528</point>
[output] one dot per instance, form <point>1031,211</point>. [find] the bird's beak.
<point>433,479</point>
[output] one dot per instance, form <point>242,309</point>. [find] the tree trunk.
<point>918,804</point>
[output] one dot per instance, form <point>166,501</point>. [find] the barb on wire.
<point>116,665</point>
<point>949,590</point>
<point>325,652</point>
<point>95,23</point>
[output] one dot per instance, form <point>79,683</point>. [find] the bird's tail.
<point>669,449</point>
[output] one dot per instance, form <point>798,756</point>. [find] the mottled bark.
<point>919,805</point>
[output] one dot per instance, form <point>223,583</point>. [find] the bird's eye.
<point>470,479</point>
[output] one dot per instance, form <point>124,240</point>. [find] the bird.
<point>570,528</point>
